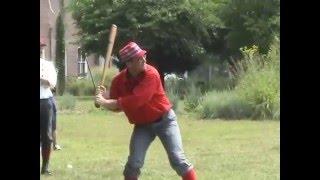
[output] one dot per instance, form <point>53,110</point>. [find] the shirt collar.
<point>128,77</point>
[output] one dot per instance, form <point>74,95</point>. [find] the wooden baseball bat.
<point>107,62</point>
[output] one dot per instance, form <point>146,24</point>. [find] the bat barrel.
<point>112,36</point>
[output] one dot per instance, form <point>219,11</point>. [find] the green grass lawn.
<point>95,144</point>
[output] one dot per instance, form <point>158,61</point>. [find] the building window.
<point>82,63</point>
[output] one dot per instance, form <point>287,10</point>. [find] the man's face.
<point>136,65</point>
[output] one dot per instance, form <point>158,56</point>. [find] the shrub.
<point>193,98</point>
<point>212,75</point>
<point>177,86</point>
<point>261,90</point>
<point>84,86</point>
<point>224,104</point>
<point>276,109</point>
<point>259,85</point>
<point>174,98</point>
<point>80,87</point>
<point>97,75</point>
<point>220,82</point>
<point>179,89</point>
<point>67,101</point>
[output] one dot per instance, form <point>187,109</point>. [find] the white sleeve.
<point>52,75</point>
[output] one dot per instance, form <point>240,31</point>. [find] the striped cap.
<point>131,51</point>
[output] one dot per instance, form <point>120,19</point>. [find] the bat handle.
<point>96,105</point>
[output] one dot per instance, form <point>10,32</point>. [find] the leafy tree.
<point>60,52</point>
<point>176,33</point>
<point>251,22</point>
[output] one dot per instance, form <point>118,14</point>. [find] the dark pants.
<point>54,115</point>
<point>46,113</point>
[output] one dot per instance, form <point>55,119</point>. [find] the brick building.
<point>75,65</point>
<point>48,25</point>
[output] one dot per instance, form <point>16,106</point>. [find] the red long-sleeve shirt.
<point>142,98</point>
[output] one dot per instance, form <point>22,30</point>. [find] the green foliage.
<point>60,52</point>
<point>193,98</point>
<point>66,102</point>
<point>257,93</point>
<point>251,62</point>
<point>84,86</point>
<point>260,84</point>
<point>212,74</point>
<point>251,22</point>
<point>175,90</point>
<point>174,98</point>
<point>176,86</point>
<point>175,33</point>
<point>225,105</point>
<point>221,83</point>
<point>262,93</point>
<point>178,89</point>
<point>178,33</point>
<point>80,87</point>
<point>97,73</point>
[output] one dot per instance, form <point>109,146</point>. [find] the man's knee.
<point>179,163</point>
<point>132,168</point>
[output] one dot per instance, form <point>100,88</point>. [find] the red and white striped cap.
<point>131,51</point>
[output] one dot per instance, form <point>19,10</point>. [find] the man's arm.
<point>103,99</point>
<point>44,82</point>
<point>52,75</point>
<point>110,104</point>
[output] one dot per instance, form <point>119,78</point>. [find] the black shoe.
<point>46,172</point>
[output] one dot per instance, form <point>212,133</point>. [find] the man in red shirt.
<point>138,92</point>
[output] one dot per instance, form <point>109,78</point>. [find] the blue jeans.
<point>46,112</point>
<point>169,134</point>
